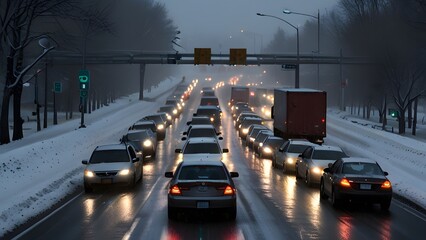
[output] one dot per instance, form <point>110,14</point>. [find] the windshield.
<point>144,126</point>
<point>296,148</point>
<point>274,142</point>
<point>109,156</point>
<point>137,136</point>
<point>202,172</point>
<point>328,155</point>
<point>202,133</point>
<point>194,148</point>
<point>360,168</point>
<point>156,118</point>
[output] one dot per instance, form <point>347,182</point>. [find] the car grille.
<point>106,173</point>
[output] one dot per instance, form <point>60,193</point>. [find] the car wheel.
<point>334,200</point>
<point>172,213</point>
<point>133,181</point>
<point>87,188</point>
<point>323,195</point>
<point>297,173</point>
<point>385,204</point>
<point>232,213</point>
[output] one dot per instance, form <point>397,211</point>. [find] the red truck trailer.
<point>239,94</point>
<point>300,113</point>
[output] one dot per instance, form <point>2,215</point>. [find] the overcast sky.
<point>217,24</point>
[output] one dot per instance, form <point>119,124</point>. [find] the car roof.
<point>301,142</point>
<point>208,107</point>
<point>119,146</point>
<point>144,122</point>
<point>167,106</point>
<point>202,140</point>
<point>327,147</point>
<point>138,131</point>
<point>273,137</point>
<point>201,117</point>
<point>203,126</point>
<point>156,114</point>
<point>358,159</point>
<point>209,97</point>
<point>202,158</point>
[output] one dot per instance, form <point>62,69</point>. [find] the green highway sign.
<point>57,87</point>
<point>84,79</point>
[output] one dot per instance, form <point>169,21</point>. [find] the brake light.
<point>175,190</point>
<point>228,191</point>
<point>323,120</point>
<point>386,184</point>
<point>345,183</point>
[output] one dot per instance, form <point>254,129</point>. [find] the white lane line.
<point>410,210</point>
<point>45,218</point>
<point>132,228</point>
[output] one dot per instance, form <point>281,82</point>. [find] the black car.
<point>357,180</point>
<point>144,141</point>
<point>149,124</point>
<point>213,112</point>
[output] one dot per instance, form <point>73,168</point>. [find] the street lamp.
<point>297,36</point>
<point>286,11</point>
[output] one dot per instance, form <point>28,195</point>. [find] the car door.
<point>280,154</point>
<point>329,177</point>
<point>138,164</point>
<point>302,166</point>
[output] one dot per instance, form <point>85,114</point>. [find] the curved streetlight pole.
<point>297,82</point>
<point>286,11</point>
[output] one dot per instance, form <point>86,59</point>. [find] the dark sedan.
<point>356,180</point>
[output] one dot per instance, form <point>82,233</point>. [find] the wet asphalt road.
<point>271,205</point>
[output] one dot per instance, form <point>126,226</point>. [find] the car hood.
<point>322,163</point>
<point>292,155</point>
<point>115,166</point>
<point>202,156</point>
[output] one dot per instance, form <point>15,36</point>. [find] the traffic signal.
<point>202,56</point>
<point>393,112</point>
<point>84,79</point>
<point>237,56</point>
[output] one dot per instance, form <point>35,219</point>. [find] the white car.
<point>287,154</point>
<point>115,164</point>
<point>201,146</point>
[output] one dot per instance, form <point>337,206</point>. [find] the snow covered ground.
<point>44,167</point>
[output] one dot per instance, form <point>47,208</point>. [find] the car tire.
<point>297,173</point>
<point>87,188</point>
<point>232,213</point>
<point>323,195</point>
<point>172,213</point>
<point>308,180</point>
<point>334,200</point>
<point>385,204</point>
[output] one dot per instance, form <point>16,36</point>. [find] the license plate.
<point>202,188</point>
<point>365,186</point>
<point>202,204</point>
<point>106,180</point>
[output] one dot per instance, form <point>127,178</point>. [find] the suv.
<point>112,164</point>
<point>202,185</point>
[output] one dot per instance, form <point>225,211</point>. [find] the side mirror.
<point>330,164</point>
<point>136,159</point>
<point>300,156</point>
<point>194,114</point>
<point>218,133</point>
<point>280,150</point>
<point>386,173</point>
<point>130,128</point>
<point>234,174</point>
<point>178,150</point>
<point>184,133</point>
<point>85,162</point>
<point>183,139</point>
<point>168,174</point>
<point>220,138</point>
<point>188,123</point>
<point>326,170</point>
<point>225,150</point>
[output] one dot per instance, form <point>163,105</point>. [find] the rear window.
<point>209,101</point>
<point>202,172</point>
<point>200,121</point>
<point>296,148</point>
<point>109,156</point>
<point>202,133</point>
<point>360,168</point>
<point>328,155</point>
<point>201,148</point>
<point>274,142</point>
<point>207,112</point>
<point>145,126</point>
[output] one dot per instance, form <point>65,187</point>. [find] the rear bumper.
<point>363,196</point>
<point>192,202</point>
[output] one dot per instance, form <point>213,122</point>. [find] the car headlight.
<point>239,126</point>
<point>316,170</point>
<point>267,150</point>
<point>260,144</point>
<point>124,172</point>
<point>174,111</point>
<point>252,139</point>
<point>211,119</point>
<point>290,160</point>
<point>169,117</point>
<point>89,173</point>
<point>179,107</point>
<point>245,130</point>
<point>160,126</point>
<point>183,104</point>
<point>147,143</point>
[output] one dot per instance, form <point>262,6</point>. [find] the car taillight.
<point>323,120</point>
<point>228,191</point>
<point>175,190</point>
<point>345,183</point>
<point>386,184</point>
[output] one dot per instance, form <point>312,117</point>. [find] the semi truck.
<point>300,113</point>
<point>239,94</point>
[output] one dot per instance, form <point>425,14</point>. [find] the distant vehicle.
<point>239,110</point>
<point>252,133</point>
<point>244,115</point>
<point>171,110</point>
<point>201,184</point>
<point>209,101</point>
<point>270,146</point>
<point>238,105</point>
<point>202,145</point>
<point>260,137</point>
<point>149,124</point>
<point>112,164</point>
<point>239,94</point>
<point>202,131</point>
<point>245,124</point>
<point>207,93</point>
<point>300,113</point>
<point>144,141</point>
<point>199,120</point>
<point>287,154</point>
<point>356,179</point>
<point>213,112</point>
<point>175,102</point>
<point>160,122</point>
<point>314,159</point>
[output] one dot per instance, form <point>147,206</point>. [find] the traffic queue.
<point>122,163</point>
